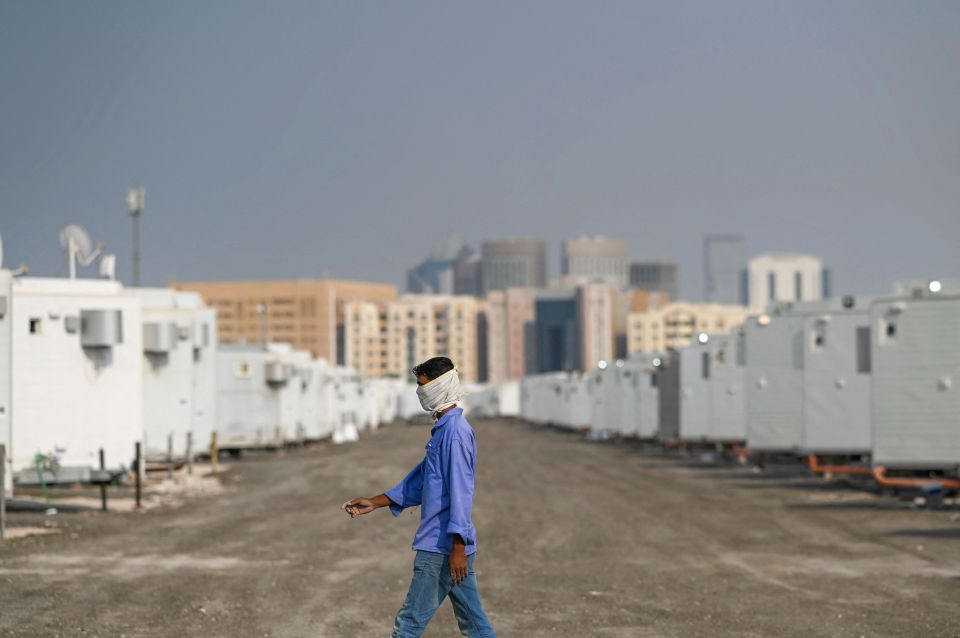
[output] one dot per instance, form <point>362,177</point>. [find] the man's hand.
<point>458,560</point>
<point>359,506</point>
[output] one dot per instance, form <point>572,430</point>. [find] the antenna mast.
<point>135,201</point>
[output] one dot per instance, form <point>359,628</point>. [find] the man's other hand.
<point>458,560</point>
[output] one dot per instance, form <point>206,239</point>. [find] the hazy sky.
<point>282,139</point>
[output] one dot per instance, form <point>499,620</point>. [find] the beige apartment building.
<point>389,338</point>
<point>675,324</point>
<point>307,313</point>
<point>626,303</point>
<point>508,313</point>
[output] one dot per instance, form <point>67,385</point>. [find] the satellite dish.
<point>82,244</point>
<point>80,249</point>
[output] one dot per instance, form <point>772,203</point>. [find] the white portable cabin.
<point>575,403</point>
<point>622,408</point>
<point>380,394</point>
<point>604,407</point>
<point>326,402</point>
<point>508,394</point>
<point>808,384</point>
<point>539,396</point>
<point>172,333</point>
<point>76,382</point>
<point>645,396</point>
<point>492,400</point>
<point>694,418</point>
<point>372,412</point>
<point>668,404</point>
<point>205,345</point>
<point>774,390</point>
<point>250,381</point>
<point>712,374</point>
<point>554,407</point>
<point>532,393</point>
<point>637,396</point>
<point>305,385</point>
<point>6,368</point>
<point>527,399</point>
<point>347,398</point>
<point>727,371</point>
<point>915,399</point>
<point>836,376</point>
<point>290,391</point>
<point>482,400</point>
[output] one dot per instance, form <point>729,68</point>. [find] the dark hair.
<point>433,368</point>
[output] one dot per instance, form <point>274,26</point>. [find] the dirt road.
<point>576,539</point>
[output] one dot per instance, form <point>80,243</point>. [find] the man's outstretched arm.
<point>359,506</point>
<point>406,493</point>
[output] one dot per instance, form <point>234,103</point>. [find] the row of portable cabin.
<point>870,376</point>
<point>88,365</point>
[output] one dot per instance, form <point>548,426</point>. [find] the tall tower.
<point>724,265</point>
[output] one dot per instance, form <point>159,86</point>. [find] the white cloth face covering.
<point>443,392</point>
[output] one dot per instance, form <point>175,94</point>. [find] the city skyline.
<point>343,145</point>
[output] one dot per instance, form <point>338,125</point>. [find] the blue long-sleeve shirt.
<point>442,485</point>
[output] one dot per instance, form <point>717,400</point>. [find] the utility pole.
<point>135,202</point>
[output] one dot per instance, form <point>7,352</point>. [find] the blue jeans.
<point>430,585</point>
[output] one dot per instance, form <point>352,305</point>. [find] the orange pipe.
<point>879,475</point>
<point>816,468</point>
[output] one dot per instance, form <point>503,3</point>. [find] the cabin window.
<point>887,330</point>
<point>705,365</point>
<point>863,349</point>
<point>818,337</point>
<point>36,325</point>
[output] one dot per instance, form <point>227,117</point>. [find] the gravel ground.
<point>576,539</point>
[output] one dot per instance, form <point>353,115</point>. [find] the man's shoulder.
<point>460,427</point>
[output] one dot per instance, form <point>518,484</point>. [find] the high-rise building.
<point>437,274</point>
<point>784,277</point>
<point>553,339</point>
<point>389,339</point>
<point>676,323</point>
<point>724,262</point>
<point>573,328</point>
<point>595,303</point>
<point>513,263</point>
<point>596,258</point>
<point>508,313</point>
<point>307,313</point>
<point>468,277</point>
<point>654,276</point>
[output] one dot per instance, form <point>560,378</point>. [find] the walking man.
<point>442,485</point>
